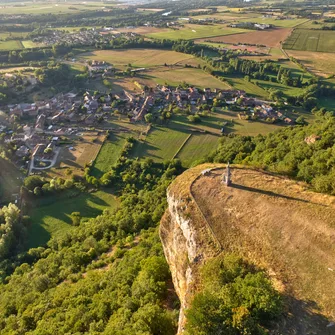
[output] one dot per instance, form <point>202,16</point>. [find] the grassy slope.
<point>53,218</point>
<point>197,147</point>
<point>10,180</point>
<point>108,155</point>
<point>161,144</point>
<point>295,246</point>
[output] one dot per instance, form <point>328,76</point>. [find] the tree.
<point>300,120</point>
<point>148,118</point>
<point>33,181</point>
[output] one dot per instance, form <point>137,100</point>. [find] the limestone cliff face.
<point>186,240</point>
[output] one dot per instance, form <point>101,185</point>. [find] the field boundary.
<point>182,146</point>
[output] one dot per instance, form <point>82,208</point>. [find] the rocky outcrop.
<point>273,222</point>
<point>186,241</point>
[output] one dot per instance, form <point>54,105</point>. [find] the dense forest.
<point>235,298</point>
<point>107,275</point>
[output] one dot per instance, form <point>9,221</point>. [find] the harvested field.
<point>320,63</point>
<point>270,38</point>
<point>140,30</point>
<point>136,57</point>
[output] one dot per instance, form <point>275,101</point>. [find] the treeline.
<point>107,275</point>
<point>267,70</point>
<point>302,152</point>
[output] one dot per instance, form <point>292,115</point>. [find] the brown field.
<point>84,152</point>
<point>149,9</point>
<point>141,30</point>
<point>281,226</point>
<point>270,38</point>
<point>137,57</point>
<point>320,63</point>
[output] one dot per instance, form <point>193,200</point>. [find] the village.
<point>47,125</point>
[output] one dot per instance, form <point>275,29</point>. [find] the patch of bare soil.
<point>270,38</point>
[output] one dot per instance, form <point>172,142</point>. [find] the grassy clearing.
<point>161,144</point>
<point>53,219</point>
<point>109,154</point>
<point>241,84</point>
<point>287,90</point>
<point>194,31</point>
<point>10,181</point>
<point>311,40</point>
<point>30,44</point>
<point>137,57</point>
<point>11,45</point>
<point>320,63</point>
<point>197,147</point>
<point>174,77</point>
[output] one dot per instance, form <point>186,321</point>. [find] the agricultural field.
<point>161,144</point>
<point>177,75</point>
<point>30,44</point>
<point>288,23</point>
<point>197,147</point>
<point>320,63</point>
<point>270,38</point>
<point>53,217</point>
<point>53,8</point>
<point>164,143</point>
<point>75,155</point>
<point>136,57</point>
<point>109,154</point>
<point>195,31</point>
<point>311,40</point>
<point>11,45</point>
<point>251,89</point>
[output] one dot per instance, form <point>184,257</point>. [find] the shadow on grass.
<point>303,317</point>
<point>270,193</point>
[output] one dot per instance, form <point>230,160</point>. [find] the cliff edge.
<point>274,222</point>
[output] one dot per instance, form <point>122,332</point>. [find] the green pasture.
<point>11,45</point>
<point>287,23</point>
<point>51,8</point>
<point>162,143</point>
<point>195,31</point>
<point>197,148</point>
<point>239,83</point>
<point>109,154</point>
<point>52,217</point>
